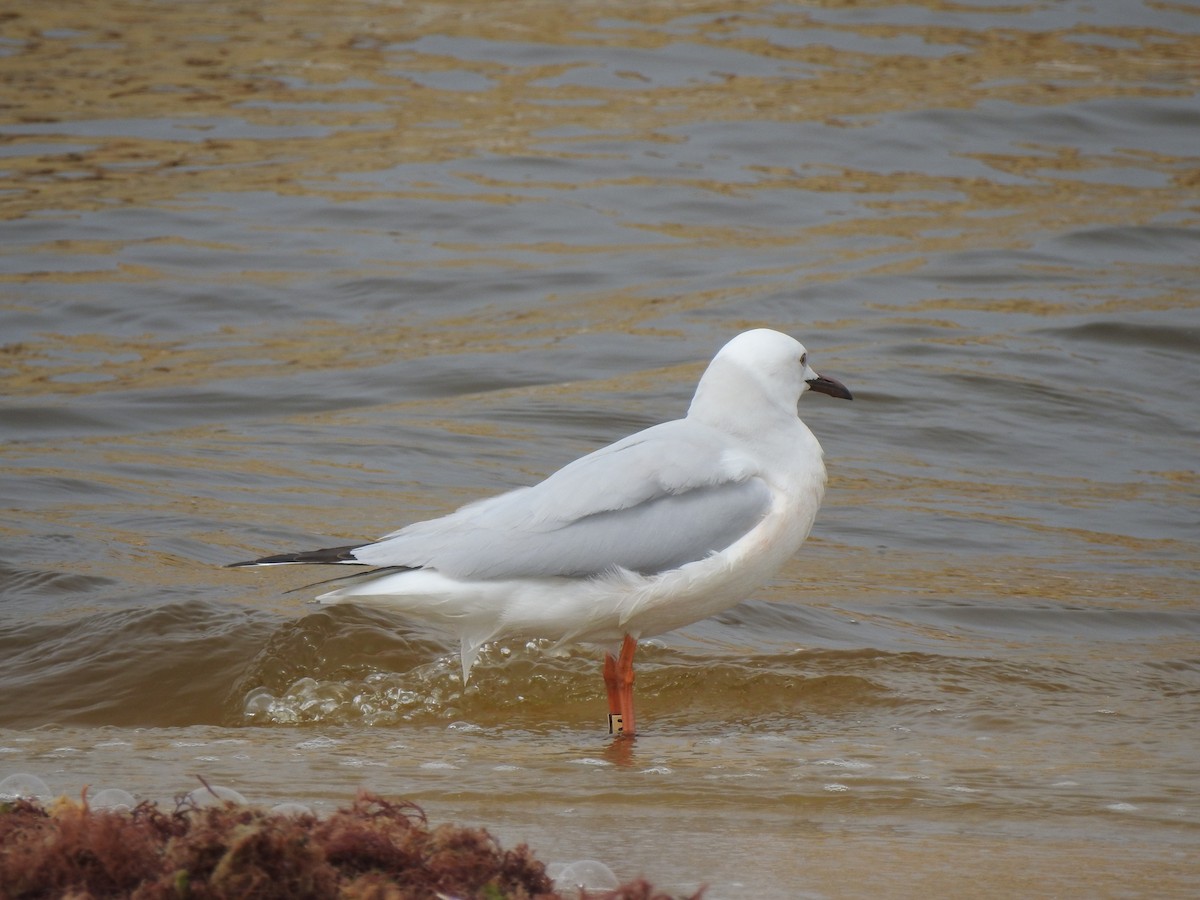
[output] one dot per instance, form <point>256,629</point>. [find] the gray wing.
<point>666,496</point>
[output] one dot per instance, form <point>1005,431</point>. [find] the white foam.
<point>851,764</point>
<point>318,743</point>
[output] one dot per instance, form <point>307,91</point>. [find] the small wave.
<point>525,685</point>
<point>160,666</point>
<point>1123,334</point>
<point>18,582</point>
<point>201,662</point>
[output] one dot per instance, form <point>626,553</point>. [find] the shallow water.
<point>293,274</point>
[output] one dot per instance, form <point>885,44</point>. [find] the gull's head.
<point>761,368</point>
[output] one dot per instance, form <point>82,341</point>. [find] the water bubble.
<point>402,697</point>
<point>215,795</point>
<point>325,697</point>
<point>282,714</point>
<point>22,785</point>
<point>114,799</point>
<point>588,875</point>
<point>301,686</point>
<point>258,702</point>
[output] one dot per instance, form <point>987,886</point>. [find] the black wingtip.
<point>327,556</point>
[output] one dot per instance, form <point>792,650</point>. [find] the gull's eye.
<point>804,359</point>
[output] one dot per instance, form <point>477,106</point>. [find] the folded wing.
<point>659,499</point>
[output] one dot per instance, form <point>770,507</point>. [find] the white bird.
<point>659,530</point>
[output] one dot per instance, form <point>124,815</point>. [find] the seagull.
<point>664,528</point>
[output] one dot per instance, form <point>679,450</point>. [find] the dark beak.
<point>830,386</point>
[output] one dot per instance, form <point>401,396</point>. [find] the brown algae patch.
<point>375,848</point>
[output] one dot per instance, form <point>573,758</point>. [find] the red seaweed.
<point>376,849</point>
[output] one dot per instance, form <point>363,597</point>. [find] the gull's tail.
<point>329,556</point>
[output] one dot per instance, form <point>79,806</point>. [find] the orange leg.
<point>618,679</point>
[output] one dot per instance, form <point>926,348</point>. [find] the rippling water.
<point>288,273</point>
